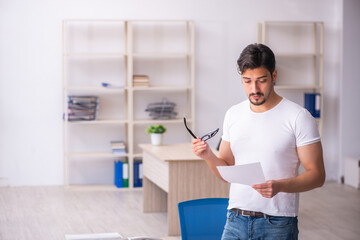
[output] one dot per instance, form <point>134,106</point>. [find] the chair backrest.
<point>203,219</point>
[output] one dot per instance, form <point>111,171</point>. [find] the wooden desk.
<point>172,174</point>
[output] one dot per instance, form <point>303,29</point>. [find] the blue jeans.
<point>239,227</point>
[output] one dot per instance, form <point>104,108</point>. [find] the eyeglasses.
<point>205,137</point>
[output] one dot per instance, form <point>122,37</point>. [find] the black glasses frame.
<point>203,138</point>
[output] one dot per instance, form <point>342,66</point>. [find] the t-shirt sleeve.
<point>306,129</point>
<point>226,134</point>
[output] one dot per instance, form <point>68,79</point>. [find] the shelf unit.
<point>96,51</point>
<point>299,52</point>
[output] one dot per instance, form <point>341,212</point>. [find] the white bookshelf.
<point>96,51</point>
<point>299,52</point>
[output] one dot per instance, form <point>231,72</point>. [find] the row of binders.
<point>121,173</point>
<point>82,108</point>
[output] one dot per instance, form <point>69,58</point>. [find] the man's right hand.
<point>201,148</point>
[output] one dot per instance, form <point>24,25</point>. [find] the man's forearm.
<point>213,161</point>
<point>304,182</point>
<point>202,150</point>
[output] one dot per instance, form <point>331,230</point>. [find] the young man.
<point>279,134</point>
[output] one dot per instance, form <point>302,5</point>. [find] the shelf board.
<point>95,88</point>
<point>160,121</point>
<point>292,22</point>
<point>296,87</point>
<point>297,55</point>
<point>159,20</point>
<point>161,88</point>
<point>94,20</point>
<point>95,54</point>
<point>101,121</point>
<point>161,54</point>
<point>137,154</point>
<point>95,154</point>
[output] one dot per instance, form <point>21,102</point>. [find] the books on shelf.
<point>118,147</point>
<point>121,173</point>
<point>140,81</point>
<point>312,103</point>
<point>138,172</point>
<point>82,108</point>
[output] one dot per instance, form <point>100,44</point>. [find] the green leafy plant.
<point>155,129</point>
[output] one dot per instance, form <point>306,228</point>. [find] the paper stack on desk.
<point>94,236</point>
<point>105,236</point>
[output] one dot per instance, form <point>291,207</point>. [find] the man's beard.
<point>257,103</point>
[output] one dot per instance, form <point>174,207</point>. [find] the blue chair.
<point>203,219</point>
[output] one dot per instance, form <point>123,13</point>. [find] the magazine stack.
<point>161,110</point>
<point>82,108</point>
<point>118,147</point>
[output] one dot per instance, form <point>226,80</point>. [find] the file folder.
<point>118,179</point>
<point>312,104</point>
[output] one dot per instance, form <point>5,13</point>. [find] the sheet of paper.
<point>248,174</point>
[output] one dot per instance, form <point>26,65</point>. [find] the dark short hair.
<point>256,55</point>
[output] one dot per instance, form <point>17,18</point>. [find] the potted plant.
<point>156,134</point>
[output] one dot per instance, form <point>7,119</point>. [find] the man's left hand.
<point>268,189</point>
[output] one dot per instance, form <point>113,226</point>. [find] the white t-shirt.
<point>270,138</point>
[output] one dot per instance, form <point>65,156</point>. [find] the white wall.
<point>31,69</point>
<point>350,87</point>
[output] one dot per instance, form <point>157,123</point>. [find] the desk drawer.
<point>156,171</point>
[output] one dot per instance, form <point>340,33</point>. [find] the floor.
<point>48,213</point>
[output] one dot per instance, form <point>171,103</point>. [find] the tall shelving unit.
<point>299,50</point>
<point>119,49</point>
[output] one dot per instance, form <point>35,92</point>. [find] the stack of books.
<point>140,81</point>
<point>161,110</point>
<point>118,147</point>
<point>82,108</point>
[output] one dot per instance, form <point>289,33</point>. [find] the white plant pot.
<point>156,139</point>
